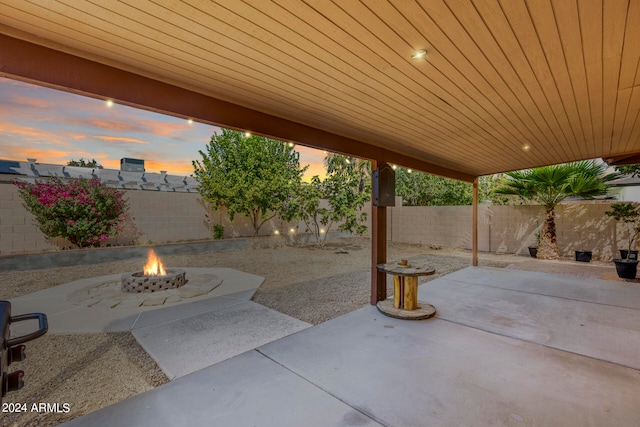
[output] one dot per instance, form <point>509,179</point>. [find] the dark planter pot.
<point>533,251</point>
<point>633,255</point>
<point>583,256</point>
<point>626,269</point>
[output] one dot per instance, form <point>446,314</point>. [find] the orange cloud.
<point>21,135</point>
<point>162,128</point>
<point>105,124</point>
<point>119,139</point>
<point>22,130</point>
<point>42,156</point>
<point>31,102</point>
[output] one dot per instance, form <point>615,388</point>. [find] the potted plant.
<point>627,213</point>
<point>583,256</point>
<point>533,250</point>
<point>624,253</point>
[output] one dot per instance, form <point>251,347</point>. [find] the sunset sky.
<point>54,127</point>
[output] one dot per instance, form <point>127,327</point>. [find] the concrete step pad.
<point>191,343</point>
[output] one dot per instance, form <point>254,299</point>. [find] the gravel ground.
<point>92,371</point>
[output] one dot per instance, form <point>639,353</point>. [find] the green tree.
<point>351,169</point>
<point>93,163</point>
<point>633,170</point>
<point>421,189</point>
<point>487,186</point>
<point>252,176</point>
<point>550,185</point>
<point>304,205</point>
<point>626,213</point>
<point>346,188</point>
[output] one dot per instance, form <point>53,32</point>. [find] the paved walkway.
<point>507,347</point>
<point>209,319</point>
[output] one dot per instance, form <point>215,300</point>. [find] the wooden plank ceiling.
<point>506,84</point>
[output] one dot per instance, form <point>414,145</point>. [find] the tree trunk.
<point>256,226</point>
<point>548,248</point>
<point>254,222</point>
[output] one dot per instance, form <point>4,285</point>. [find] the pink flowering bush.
<point>84,211</point>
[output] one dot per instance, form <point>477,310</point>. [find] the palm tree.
<point>550,185</point>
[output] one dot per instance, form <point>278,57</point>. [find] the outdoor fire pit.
<point>154,277</point>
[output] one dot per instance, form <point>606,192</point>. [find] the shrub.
<point>218,231</point>
<point>629,214</point>
<point>83,211</point>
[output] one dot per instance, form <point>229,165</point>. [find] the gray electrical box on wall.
<point>384,186</point>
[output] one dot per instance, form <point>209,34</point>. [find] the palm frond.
<point>550,185</point>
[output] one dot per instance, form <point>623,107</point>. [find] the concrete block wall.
<point>443,226</point>
<point>509,229</point>
<point>164,217</point>
<point>167,216</point>
<point>18,232</point>
<point>155,217</point>
<point>586,227</point>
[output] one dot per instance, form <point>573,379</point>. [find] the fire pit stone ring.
<point>139,282</point>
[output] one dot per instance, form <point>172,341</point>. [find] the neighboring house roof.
<point>31,171</point>
<point>626,181</point>
<point>8,166</point>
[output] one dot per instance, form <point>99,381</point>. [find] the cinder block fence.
<point>168,217</point>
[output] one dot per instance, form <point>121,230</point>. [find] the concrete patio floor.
<point>506,348</point>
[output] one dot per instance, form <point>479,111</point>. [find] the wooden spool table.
<point>405,304</point>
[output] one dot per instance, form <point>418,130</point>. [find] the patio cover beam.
<point>627,159</point>
<point>23,60</point>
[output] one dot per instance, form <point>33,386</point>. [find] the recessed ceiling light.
<point>419,54</point>
<point>526,147</point>
<point>190,121</point>
<point>109,103</point>
<point>247,134</point>
<point>291,144</point>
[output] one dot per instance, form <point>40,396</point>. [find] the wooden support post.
<point>378,253</point>
<point>474,244</point>
<point>396,291</point>
<point>378,248</point>
<point>410,293</point>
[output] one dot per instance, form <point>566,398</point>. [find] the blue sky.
<point>54,127</point>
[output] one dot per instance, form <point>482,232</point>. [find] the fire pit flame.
<point>154,266</point>
<point>154,277</point>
